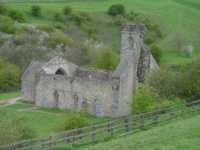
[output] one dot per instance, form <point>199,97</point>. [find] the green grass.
<point>176,17</point>
<point>180,135</point>
<point>4,96</point>
<point>43,121</point>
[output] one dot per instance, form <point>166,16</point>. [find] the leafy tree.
<point>156,52</point>
<point>3,9</point>
<point>36,11</point>
<point>9,75</point>
<point>16,15</point>
<point>67,10</point>
<point>59,38</point>
<point>7,24</point>
<point>117,9</point>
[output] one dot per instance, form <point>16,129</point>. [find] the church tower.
<point>131,47</point>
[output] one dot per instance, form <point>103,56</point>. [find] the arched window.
<point>60,71</point>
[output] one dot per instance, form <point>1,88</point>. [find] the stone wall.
<point>78,94</point>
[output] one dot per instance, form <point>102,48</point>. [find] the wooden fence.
<point>104,131</point>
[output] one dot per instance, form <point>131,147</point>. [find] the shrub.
<point>156,52</point>
<point>36,11</point>
<point>67,10</point>
<point>46,27</point>
<point>59,38</point>
<point>144,100</point>
<point>58,17</point>
<point>119,20</point>
<point>184,84</point>
<point>104,58</point>
<point>13,129</point>
<point>189,83</point>
<point>7,24</point>
<point>16,15</point>
<point>147,100</point>
<point>80,18</point>
<point>3,9</point>
<point>165,83</point>
<point>131,16</point>
<point>75,121</point>
<point>117,9</point>
<point>9,76</point>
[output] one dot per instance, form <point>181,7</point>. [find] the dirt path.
<point>10,101</point>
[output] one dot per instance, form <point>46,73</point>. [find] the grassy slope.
<point>175,16</point>
<point>9,95</point>
<point>43,121</point>
<point>182,135</point>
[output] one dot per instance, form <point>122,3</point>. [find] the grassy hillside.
<point>43,121</point>
<point>182,135</point>
<point>179,19</point>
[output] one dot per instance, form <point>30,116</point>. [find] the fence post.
<point>94,133</point>
<point>111,128</point>
<point>126,125</point>
<point>74,137</point>
<point>50,142</point>
<point>80,132</point>
<point>142,121</point>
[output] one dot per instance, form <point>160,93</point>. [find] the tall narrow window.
<point>56,98</point>
<point>76,101</point>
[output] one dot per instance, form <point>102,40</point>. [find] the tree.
<point>67,10</point>
<point>16,15</point>
<point>36,11</point>
<point>117,9</point>
<point>9,75</point>
<point>156,52</point>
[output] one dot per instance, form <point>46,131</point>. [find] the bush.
<point>76,121</point>
<point>67,10</point>
<point>7,24</point>
<point>144,100</point>
<point>9,76</point>
<point>183,84</point>
<point>104,58</point>
<point>165,82</point>
<point>46,27</point>
<point>156,52</point>
<point>58,37</point>
<point>16,15</point>
<point>119,20</point>
<point>147,100</point>
<point>58,17</point>
<point>3,9</point>
<point>150,38</point>
<point>189,83</point>
<point>80,18</point>
<point>13,129</point>
<point>117,9</point>
<point>36,11</point>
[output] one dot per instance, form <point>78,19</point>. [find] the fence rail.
<point>112,128</point>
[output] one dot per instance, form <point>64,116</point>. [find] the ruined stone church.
<point>60,83</point>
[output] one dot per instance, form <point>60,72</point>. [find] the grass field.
<point>43,121</point>
<point>180,135</point>
<point>4,96</point>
